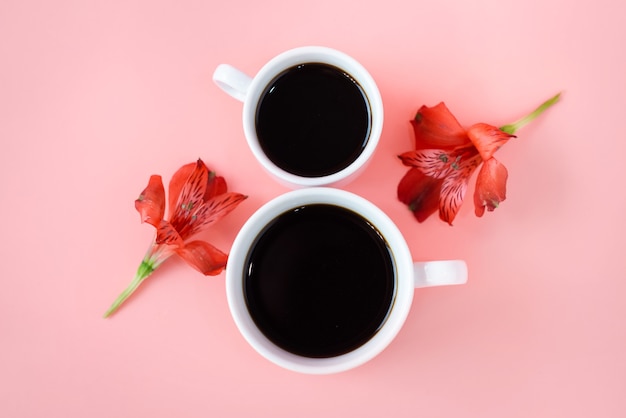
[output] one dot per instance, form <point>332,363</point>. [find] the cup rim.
<point>399,310</point>
<point>308,54</point>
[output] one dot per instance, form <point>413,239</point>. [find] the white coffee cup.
<point>408,275</point>
<point>251,90</point>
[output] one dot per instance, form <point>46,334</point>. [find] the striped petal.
<point>431,162</point>
<point>220,206</point>
<point>454,188</point>
<point>201,217</point>
<point>190,198</point>
<point>438,163</point>
<point>177,182</point>
<point>215,185</point>
<point>168,235</point>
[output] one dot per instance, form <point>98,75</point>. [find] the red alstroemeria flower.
<point>197,199</point>
<point>446,156</point>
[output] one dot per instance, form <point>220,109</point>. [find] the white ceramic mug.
<point>251,90</point>
<point>408,275</point>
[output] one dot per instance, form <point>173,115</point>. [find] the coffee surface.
<point>313,120</point>
<point>319,281</point>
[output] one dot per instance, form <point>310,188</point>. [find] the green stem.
<point>513,127</point>
<point>155,256</point>
<point>145,269</point>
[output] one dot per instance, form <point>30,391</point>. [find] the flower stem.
<point>154,257</point>
<point>513,127</point>
<point>143,272</point>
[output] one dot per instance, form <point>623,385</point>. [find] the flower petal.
<point>436,127</point>
<point>177,182</point>
<point>190,198</point>
<point>220,206</point>
<point>431,162</point>
<point>452,194</point>
<point>215,186</point>
<point>454,187</point>
<point>206,214</point>
<point>439,163</point>
<point>487,139</point>
<point>168,235</point>
<point>151,202</point>
<point>420,193</point>
<point>204,257</point>
<point>490,186</point>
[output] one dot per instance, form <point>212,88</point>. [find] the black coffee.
<point>319,281</point>
<point>313,120</point>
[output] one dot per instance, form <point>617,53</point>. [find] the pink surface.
<point>96,96</point>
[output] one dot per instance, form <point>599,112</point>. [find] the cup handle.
<point>439,273</point>
<point>232,81</point>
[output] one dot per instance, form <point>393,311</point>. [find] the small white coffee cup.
<point>408,275</point>
<point>252,91</point>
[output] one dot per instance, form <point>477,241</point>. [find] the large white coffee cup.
<point>251,91</point>
<point>408,275</point>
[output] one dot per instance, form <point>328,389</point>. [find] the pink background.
<point>96,96</point>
